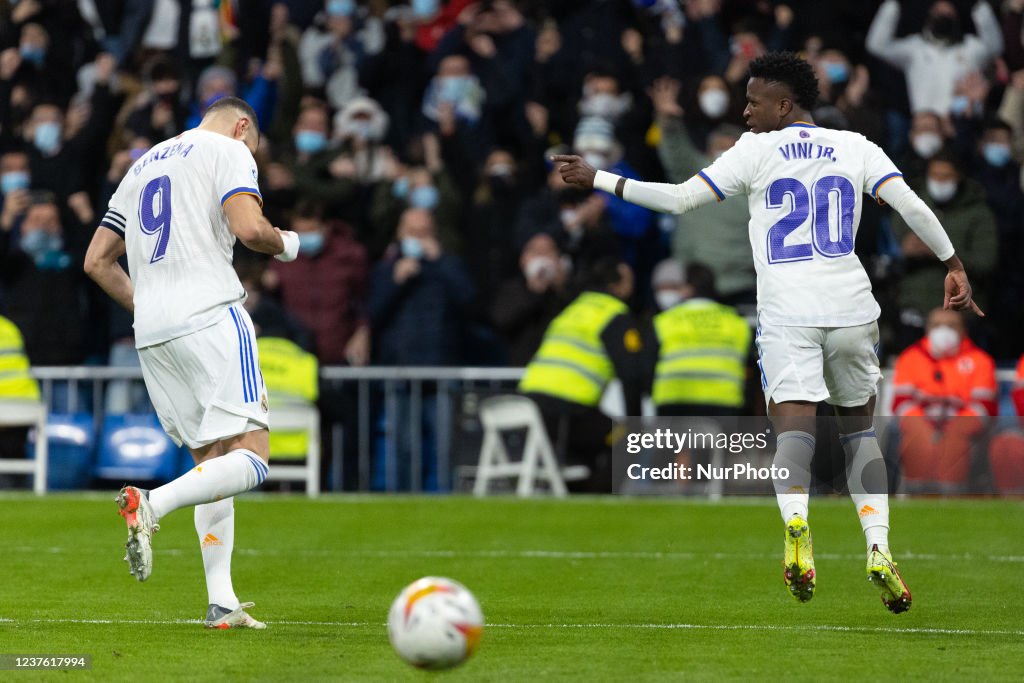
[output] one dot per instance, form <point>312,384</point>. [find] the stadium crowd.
<point>406,142</point>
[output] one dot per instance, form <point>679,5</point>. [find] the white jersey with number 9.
<point>170,210</point>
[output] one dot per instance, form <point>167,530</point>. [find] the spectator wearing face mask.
<point>928,137</point>
<point>712,107</point>
<point>499,45</point>
<point>641,242</point>
<point>417,187</point>
<point>848,88</point>
<point>574,218</point>
<point>15,184</point>
<point>1006,452</point>
<point>303,169</point>
<point>959,203</point>
<point>944,392</point>
<point>44,286</point>
<point>332,50</point>
<point>418,297</point>
<point>997,171</point>
<point>698,348</point>
<point>728,255</point>
<point>60,153</point>
<point>936,59</point>
<point>325,288</point>
<point>526,303</point>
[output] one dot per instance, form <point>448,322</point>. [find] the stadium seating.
<point>135,448</point>
<point>72,449</point>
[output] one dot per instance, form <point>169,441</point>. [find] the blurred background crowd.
<point>407,141</point>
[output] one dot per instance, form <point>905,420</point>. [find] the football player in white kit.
<point>817,332</point>
<point>176,214</point>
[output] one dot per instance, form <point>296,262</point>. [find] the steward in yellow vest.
<point>593,340</point>
<point>701,347</point>
<point>15,381</point>
<point>291,375</point>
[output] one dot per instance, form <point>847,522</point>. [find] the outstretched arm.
<point>663,197</point>
<point>925,224</point>
<point>106,247</point>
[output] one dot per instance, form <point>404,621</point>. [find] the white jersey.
<point>170,210</point>
<point>805,186</point>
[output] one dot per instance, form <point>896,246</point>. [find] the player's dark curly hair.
<point>790,70</point>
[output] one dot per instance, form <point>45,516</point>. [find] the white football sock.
<point>794,451</point>
<point>212,480</point>
<point>215,524</point>
<point>868,483</point>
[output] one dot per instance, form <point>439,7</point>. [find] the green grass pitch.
<point>587,589</point>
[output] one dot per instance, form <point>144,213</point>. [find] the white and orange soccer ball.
<point>435,623</point>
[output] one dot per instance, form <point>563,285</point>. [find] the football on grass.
<point>435,623</point>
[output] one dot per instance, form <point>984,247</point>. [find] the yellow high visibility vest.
<point>290,374</point>
<point>571,363</point>
<point>702,355</point>
<point>15,380</point>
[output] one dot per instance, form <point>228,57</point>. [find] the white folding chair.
<point>305,417</point>
<point>514,412</point>
<point>27,414</point>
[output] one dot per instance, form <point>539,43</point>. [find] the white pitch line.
<point>524,554</point>
<point>827,628</point>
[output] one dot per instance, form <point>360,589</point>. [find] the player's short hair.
<point>238,104</point>
<point>792,71</point>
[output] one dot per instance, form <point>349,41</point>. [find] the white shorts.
<point>834,364</point>
<point>207,386</point>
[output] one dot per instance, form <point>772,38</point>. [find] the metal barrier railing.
<point>390,406</point>
<point>394,408</point>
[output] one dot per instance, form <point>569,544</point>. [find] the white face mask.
<point>941,190</point>
<point>943,341</point>
<point>926,144</point>
<point>713,103</point>
<point>539,266</point>
<point>667,298</point>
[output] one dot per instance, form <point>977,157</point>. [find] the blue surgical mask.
<point>45,249</point>
<point>960,105</point>
<point>13,181</point>
<point>837,72</point>
<point>310,141</point>
<point>340,8</point>
<point>363,129</point>
<point>33,54</point>
<point>311,243</point>
<point>452,88</point>
<point>400,188</point>
<point>412,247</point>
<point>47,137</point>
<point>424,9</point>
<point>996,153</point>
<point>423,197</point>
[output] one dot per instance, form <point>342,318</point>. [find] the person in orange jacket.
<point>1006,452</point>
<point>944,394</point>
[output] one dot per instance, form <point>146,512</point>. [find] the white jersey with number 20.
<point>170,210</point>
<point>805,186</point>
